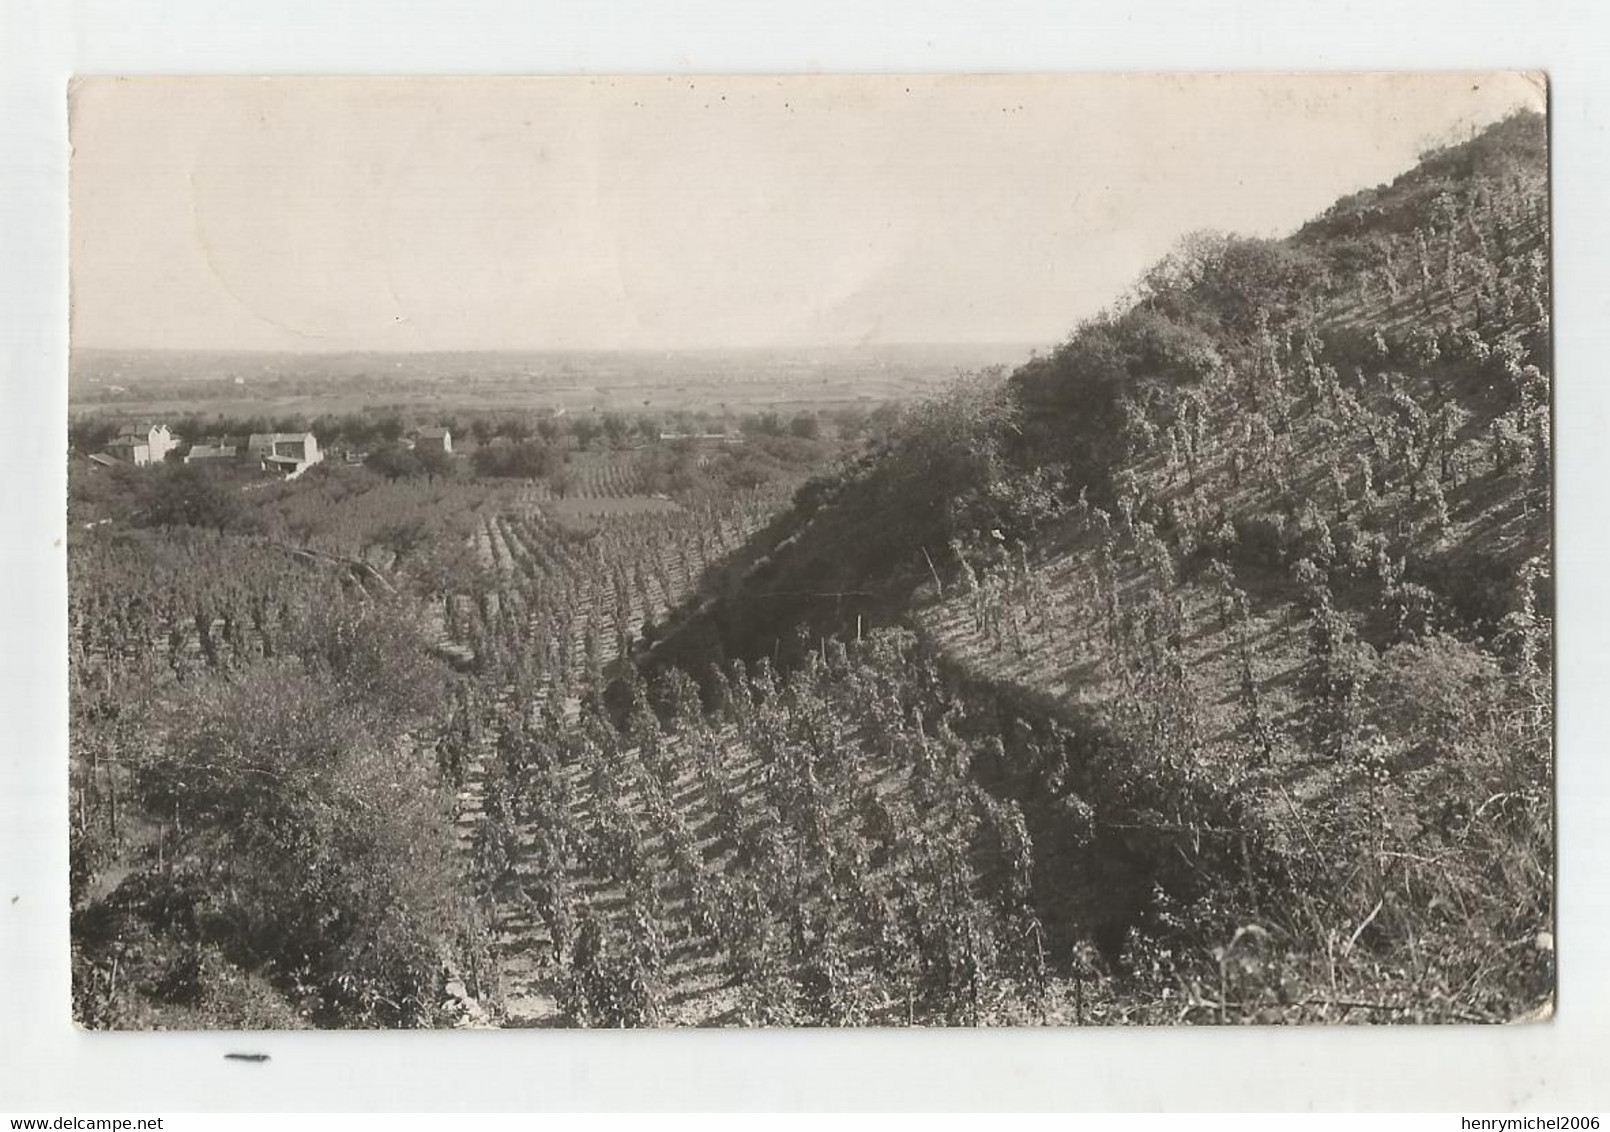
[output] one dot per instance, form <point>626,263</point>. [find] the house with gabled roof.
<point>129,450</point>
<point>289,453</point>
<point>156,438</point>
<point>434,439</point>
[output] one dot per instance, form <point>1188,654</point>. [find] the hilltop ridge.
<point>1271,539</point>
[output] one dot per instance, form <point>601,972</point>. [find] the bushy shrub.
<point>1260,540</point>
<point>303,836</point>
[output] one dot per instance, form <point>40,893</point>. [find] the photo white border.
<point>45,1065</point>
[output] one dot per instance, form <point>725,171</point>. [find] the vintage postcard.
<point>969,550</point>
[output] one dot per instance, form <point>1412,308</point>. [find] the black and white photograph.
<point>851,551</point>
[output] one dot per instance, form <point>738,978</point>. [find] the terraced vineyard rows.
<point>647,873</point>
<point>608,475</point>
<point>203,603</point>
<point>809,853</point>
<point>567,604</point>
<point>1221,693</point>
<point>579,592</point>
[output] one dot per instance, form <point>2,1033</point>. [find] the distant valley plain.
<point>710,381</point>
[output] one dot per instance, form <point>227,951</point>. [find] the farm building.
<point>434,440</point>
<point>154,438</point>
<point>291,453</point>
<point>140,444</point>
<point>130,450</point>
<point>211,453</point>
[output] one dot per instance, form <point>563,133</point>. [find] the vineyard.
<point>806,851</point>
<point>1273,541</point>
<point>804,854</point>
<point>522,592</point>
<point>1195,672</point>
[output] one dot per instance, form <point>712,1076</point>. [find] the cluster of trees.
<point>681,468</point>
<point>90,431</point>
<point>805,426</point>
<point>528,459</point>
<point>397,461</point>
<point>187,495</point>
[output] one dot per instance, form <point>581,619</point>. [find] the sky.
<point>696,212</point>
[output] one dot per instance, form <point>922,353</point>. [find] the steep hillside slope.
<point>1275,531</point>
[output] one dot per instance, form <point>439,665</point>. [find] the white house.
<point>141,444</point>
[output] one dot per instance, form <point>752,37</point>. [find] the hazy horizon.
<point>688,214</point>
<point>846,347</point>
